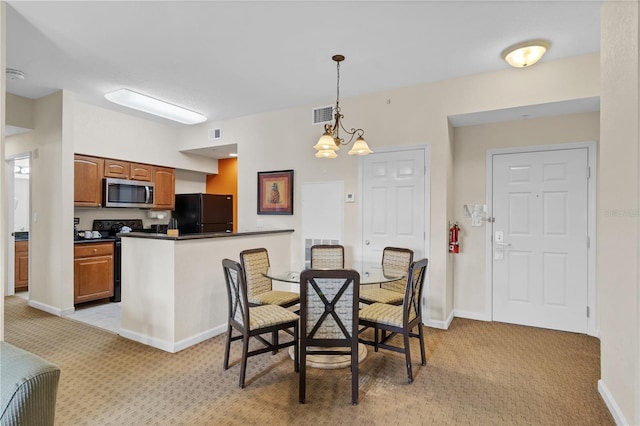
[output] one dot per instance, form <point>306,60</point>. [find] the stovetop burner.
<point>113,226</point>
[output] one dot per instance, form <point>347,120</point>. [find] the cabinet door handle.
<point>95,250</point>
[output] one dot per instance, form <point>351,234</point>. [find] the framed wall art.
<point>275,192</point>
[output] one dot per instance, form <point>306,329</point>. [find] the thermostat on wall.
<point>350,198</point>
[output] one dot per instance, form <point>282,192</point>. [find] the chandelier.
<point>330,141</point>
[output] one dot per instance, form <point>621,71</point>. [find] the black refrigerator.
<point>201,213</point>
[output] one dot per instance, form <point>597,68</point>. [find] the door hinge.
<point>588,172</point>
<point>424,235</point>
<point>588,242</point>
<point>587,312</point>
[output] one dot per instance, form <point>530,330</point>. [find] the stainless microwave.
<point>127,193</point>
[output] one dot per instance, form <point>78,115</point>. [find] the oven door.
<point>127,193</point>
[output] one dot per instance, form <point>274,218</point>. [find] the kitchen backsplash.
<point>88,215</point>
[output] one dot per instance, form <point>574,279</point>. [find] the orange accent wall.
<point>226,182</point>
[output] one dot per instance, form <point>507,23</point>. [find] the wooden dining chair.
<point>329,319</point>
<point>399,319</point>
<point>255,263</point>
<point>327,256</point>
<point>393,259</point>
<point>254,321</point>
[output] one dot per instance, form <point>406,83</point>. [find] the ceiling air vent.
<point>214,134</point>
<point>322,115</point>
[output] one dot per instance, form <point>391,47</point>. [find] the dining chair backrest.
<point>411,306</point>
<point>329,319</point>
<point>327,256</point>
<point>397,259</point>
<point>236,293</point>
<point>255,263</point>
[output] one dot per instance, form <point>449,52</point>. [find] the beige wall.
<point>51,240</point>
<point>3,180</point>
<point>21,112</point>
<point>470,154</point>
<point>409,116</point>
<point>618,211</point>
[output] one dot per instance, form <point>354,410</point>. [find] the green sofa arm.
<point>28,388</point>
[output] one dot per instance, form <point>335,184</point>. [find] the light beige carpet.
<point>477,373</point>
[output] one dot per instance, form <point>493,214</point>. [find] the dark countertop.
<point>94,240</point>
<point>21,235</point>
<point>184,237</point>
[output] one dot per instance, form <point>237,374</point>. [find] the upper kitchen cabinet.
<point>125,170</point>
<point>165,188</point>
<point>88,172</point>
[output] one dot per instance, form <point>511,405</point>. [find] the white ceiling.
<point>227,59</point>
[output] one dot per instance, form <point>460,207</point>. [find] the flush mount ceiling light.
<point>330,141</point>
<point>526,53</point>
<point>154,106</point>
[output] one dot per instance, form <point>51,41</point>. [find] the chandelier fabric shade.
<point>330,140</point>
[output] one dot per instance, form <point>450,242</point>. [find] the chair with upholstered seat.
<point>255,263</point>
<point>399,319</point>
<point>327,256</point>
<point>329,319</point>
<point>254,321</point>
<point>394,260</point>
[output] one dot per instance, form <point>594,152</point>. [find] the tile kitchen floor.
<point>100,314</point>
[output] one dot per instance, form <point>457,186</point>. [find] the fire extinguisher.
<point>454,239</point>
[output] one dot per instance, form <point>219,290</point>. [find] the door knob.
<point>366,242</point>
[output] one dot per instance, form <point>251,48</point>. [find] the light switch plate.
<point>351,198</point>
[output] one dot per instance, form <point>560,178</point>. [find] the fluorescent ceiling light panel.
<point>154,106</point>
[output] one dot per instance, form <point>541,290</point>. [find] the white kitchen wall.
<point>105,133</point>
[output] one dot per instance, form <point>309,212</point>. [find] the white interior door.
<point>394,202</point>
<point>540,245</point>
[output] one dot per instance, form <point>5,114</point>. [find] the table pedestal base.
<point>330,362</point>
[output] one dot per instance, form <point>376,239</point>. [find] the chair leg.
<point>296,347</point>
<point>243,365</point>
<point>227,348</point>
<point>422,353</point>
<point>407,354</point>
<point>274,340</point>
<point>302,391</point>
<point>354,374</point>
<point>375,338</point>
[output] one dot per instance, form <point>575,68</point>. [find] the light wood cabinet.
<point>22,266</point>
<point>164,188</point>
<point>125,170</point>
<point>92,271</point>
<point>88,172</point>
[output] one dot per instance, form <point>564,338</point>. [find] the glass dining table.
<point>371,273</point>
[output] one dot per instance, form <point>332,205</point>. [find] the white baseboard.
<point>615,411</point>
<point>50,309</point>
<point>443,325</point>
<point>172,347</point>
<point>472,315</point>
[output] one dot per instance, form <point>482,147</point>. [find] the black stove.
<point>110,228</point>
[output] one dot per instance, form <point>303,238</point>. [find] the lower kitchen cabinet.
<point>22,266</point>
<point>93,271</point>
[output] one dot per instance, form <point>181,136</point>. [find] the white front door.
<point>394,202</point>
<point>540,246</point>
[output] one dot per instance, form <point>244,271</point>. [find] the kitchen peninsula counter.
<point>161,236</point>
<point>173,290</point>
